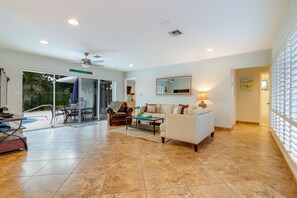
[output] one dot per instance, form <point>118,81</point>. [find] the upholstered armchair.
<point>188,128</point>
<point>119,117</point>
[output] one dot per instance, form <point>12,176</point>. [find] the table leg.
<point>136,123</point>
<point>154,123</point>
<point>15,135</point>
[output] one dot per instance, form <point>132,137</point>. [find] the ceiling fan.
<point>86,62</point>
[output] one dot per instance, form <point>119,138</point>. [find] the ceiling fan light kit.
<point>86,62</point>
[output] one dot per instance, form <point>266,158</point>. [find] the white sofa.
<point>163,109</point>
<point>188,128</point>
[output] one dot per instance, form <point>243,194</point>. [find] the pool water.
<point>29,120</point>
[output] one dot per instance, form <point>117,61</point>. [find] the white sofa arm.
<point>189,128</point>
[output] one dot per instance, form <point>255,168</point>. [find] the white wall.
<point>248,101</point>
<point>212,75</point>
<point>14,63</point>
<point>286,27</point>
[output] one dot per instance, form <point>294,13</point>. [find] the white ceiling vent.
<point>175,33</point>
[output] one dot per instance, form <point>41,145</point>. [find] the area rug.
<point>84,124</point>
<point>137,133</point>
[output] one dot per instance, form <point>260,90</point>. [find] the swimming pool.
<point>29,120</point>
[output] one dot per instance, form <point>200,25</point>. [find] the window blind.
<point>284,96</point>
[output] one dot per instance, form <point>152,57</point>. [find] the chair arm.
<point>109,111</point>
<point>129,111</point>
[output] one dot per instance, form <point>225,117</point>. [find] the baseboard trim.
<point>223,129</point>
<point>245,122</point>
<point>292,166</point>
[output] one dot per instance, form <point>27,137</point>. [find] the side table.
<point>9,138</point>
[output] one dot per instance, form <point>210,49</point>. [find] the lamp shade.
<point>202,95</point>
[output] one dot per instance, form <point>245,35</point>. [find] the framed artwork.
<point>246,83</point>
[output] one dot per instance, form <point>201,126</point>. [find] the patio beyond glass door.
<point>65,110</point>
<point>88,99</point>
<point>37,99</point>
<point>51,100</point>
<point>106,90</point>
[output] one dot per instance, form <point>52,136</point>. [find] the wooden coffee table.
<point>151,126</point>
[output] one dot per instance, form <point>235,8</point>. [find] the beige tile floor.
<point>94,162</point>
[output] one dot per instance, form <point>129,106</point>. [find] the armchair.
<point>119,117</point>
<point>188,128</point>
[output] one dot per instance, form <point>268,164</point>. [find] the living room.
<point>244,158</point>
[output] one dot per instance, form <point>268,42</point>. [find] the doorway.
<point>264,99</point>
<point>252,95</point>
<point>130,93</point>
<point>107,89</point>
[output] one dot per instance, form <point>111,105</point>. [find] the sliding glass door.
<point>37,99</point>
<point>106,96</point>
<point>63,89</point>
<point>51,100</point>
<point>88,99</point>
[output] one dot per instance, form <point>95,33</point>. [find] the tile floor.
<point>94,162</point>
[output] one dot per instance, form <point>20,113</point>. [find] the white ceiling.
<point>130,31</point>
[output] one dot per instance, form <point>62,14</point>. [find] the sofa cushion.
<point>158,108</point>
<point>119,115</point>
<point>200,111</point>
<point>155,115</point>
<point>190,108</point>
<point>166,108</point>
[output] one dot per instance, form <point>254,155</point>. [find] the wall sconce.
<point>202,96</point>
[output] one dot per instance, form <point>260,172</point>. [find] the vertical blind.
<point>284,96</point>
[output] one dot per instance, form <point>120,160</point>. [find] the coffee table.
<point>151,126</point>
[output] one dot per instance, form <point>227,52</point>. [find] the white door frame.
<point>260,98</point>
<point>125,89</point>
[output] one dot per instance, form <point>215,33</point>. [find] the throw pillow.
<point>146,106</point>
<point>151,109</point>
<point>183,107</point>
<point>177,110</point>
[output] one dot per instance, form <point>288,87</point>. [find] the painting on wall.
<point>246,83</point>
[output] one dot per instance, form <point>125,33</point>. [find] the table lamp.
<point>202,96</point>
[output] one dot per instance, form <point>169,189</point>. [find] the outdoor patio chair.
<point>88,111</point>
<point>70,113</point>
<point>57,114</point>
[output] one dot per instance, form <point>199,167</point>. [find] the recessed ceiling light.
<point>44,42</point>
<point>209,50</point>
<point>130,65</point>
<point>73,22</point>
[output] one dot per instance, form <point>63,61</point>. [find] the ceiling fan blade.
<point>97,65</point>
<point>98,61</point>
